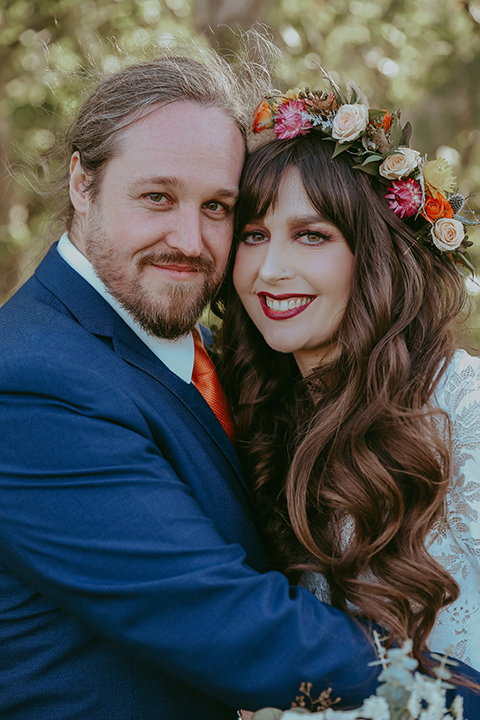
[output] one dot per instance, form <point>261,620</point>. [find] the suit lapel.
<point>136,353</point>
<point>98,317</point>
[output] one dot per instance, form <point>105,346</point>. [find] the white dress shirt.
<point>178,355</point>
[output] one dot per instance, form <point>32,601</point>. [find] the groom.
<point>132,583</point>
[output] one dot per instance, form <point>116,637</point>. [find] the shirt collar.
<point>178,355</point>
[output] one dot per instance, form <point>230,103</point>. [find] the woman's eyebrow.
<point>294,220</point>
<point>306,219</point>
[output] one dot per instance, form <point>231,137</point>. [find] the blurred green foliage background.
<point>421,55</point>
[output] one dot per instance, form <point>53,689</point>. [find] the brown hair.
<point>201,75</point>
<point>349,466</point>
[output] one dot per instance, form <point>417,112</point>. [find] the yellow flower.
<point>438,177</point>
<point>286,97</point>
<point>293,94</point>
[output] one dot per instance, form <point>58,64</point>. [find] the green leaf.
<point>341,147</point>
<point>372,158</point>
<point>368,169</point>
<point>396,132</point>
<point>374,114</point>
<point>393,151</point>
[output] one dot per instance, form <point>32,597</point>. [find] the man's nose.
<point>186,233</point>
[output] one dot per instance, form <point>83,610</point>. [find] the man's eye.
<point>156,197</point>
<point>215,206</point>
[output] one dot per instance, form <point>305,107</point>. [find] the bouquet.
<point>401,695</point>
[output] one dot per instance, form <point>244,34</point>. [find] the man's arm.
<point>95,518</point>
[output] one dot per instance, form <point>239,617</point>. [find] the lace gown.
<point>455,540</point>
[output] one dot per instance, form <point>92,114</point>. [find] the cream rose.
<point>447,234</point>
<point>349,122</point>
<point>399,164</point>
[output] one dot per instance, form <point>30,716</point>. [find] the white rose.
<point>349,122</point>
<point>399,164</point>
<point>447,234</point>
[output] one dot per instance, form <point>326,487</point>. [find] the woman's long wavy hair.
<point>349,466</point>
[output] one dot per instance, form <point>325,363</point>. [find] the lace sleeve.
<point>461,399</point>
<point>455,541</point>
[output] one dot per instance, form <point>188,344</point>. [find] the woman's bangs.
<point>260,182</point>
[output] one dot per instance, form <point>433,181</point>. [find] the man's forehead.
<point>182,145</point>
<point>185,129</point>
<point>187,116</point>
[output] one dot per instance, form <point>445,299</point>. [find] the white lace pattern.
<point>455,540</point>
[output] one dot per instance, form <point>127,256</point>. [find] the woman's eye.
<point>253,238</point>
<point>313,238</point>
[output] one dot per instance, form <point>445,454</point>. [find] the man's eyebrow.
<point>175,182</point>
<point>158,180</point>
<point>226,193</point>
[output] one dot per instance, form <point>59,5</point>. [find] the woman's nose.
<point>276,265</point>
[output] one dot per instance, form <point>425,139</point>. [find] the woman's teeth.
<point>284,305</point>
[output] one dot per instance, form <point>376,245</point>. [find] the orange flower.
<point>436,208</point>
<point>263,117</point>
<point>386,121</point>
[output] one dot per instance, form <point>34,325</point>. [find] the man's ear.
<point>78,184</point>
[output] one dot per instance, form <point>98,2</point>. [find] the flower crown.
<point>417,188</point>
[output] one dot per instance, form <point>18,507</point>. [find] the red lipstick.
<point>274,309</point>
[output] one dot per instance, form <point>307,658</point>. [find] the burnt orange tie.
<point>206,381</point>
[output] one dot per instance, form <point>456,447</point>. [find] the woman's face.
<point>299,313</point>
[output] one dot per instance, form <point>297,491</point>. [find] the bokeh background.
<point>420,55</point>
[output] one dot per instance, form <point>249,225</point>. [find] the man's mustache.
<point>201,264</point>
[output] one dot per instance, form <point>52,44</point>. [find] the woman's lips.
<point>283,307</point>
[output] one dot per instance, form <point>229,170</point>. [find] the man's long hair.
<point>349,466</point>
<point>193,73</point>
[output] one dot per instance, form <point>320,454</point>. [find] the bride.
<point>358,417</point>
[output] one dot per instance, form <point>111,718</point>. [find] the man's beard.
<point>171,313</point>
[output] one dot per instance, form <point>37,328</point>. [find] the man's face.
<point>159,232</point>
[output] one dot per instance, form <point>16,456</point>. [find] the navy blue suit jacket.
<point>132,582</point>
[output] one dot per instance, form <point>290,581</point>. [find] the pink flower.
<point>404,197</point>
<point>291,120</point>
